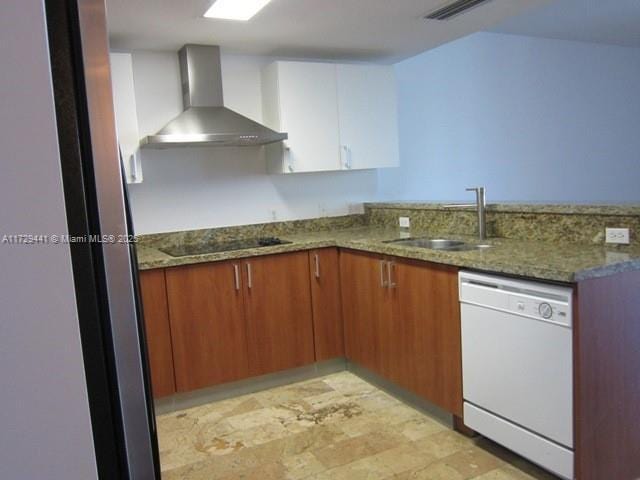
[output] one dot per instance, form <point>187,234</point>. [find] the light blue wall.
<point>532,119</point>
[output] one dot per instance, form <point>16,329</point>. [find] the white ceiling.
<point>372,30</point>
<point>615,22</point>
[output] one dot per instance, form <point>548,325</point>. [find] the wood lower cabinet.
<point>402,322</point>
<point>208,324</point>
<point>157,332</point>
<point>366,308</point>
<point>426,354</point>
<point>278,310</point>
<point>231,320</point>
<point>328,329</point>
<point>225,321</point>
<point>606,334</point>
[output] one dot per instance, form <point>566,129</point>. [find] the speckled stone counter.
<point>579,224</point>
<point>562,262</point>
<point>623,210</point>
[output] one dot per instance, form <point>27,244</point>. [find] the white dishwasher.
<point>517,366</point>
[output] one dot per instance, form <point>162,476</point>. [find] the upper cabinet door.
<point>300,98</point>
<point>368,116</point>
<point>124,106</point>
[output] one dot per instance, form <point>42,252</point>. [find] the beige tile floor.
<point>335,427</point>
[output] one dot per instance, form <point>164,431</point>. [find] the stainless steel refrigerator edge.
<point>113,262</point>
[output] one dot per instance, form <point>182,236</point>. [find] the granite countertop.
<point>563,209</point>
<point>535,259</point>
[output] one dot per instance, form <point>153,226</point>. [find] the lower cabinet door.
<point>207,324</point>
<point>366,309</point>
<point>425,335</point>
<point>278,308</point>
<point>325,300</point>
<point>157,332</point>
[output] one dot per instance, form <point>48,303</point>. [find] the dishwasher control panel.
<point>541,308</point>
<point>550,303</point>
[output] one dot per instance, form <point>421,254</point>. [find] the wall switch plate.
<point>617,235</point>
<point>404,222</point>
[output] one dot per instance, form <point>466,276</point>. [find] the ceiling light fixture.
<point>235,9</point>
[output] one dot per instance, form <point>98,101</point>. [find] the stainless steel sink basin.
<point>439,244</point>
<point>434,244</point>
<point>470,246</point>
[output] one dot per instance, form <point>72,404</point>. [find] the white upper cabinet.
<point>126,114</point>
<point>338,117</point>
<point>301,99</point>
<point>368,116</point>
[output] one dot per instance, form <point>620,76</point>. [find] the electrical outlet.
<point>617,235</point>
<point>322,209</point>
<point>404,222</point>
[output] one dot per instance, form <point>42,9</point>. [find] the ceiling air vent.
<point>454,9</point>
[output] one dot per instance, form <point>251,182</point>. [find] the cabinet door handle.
<point>383,282</point>
<point>249,279</point>
<point>236,276</point>
<point>317,265</point>
<point>287,157</point>
<point>391,266</point>
<point>345,155</point>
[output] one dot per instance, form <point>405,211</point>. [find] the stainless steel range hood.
<point>205,120</point>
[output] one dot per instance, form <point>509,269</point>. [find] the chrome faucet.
<point>480,206</point>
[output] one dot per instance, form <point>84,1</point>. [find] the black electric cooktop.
<point>222,246</point>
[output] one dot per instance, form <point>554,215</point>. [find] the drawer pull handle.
<point>391,266</point>
<point>236,276</point>
<point>317,264</point>
<point>383,282</point>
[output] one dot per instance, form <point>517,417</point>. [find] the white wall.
<point>189,188</point>
<point>532,119</point>
<point>44,414</point>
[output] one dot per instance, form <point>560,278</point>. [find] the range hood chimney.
<point>205,120</point>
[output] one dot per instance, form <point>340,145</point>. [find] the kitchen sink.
<point>224,246</point>
<point>439,244</point>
